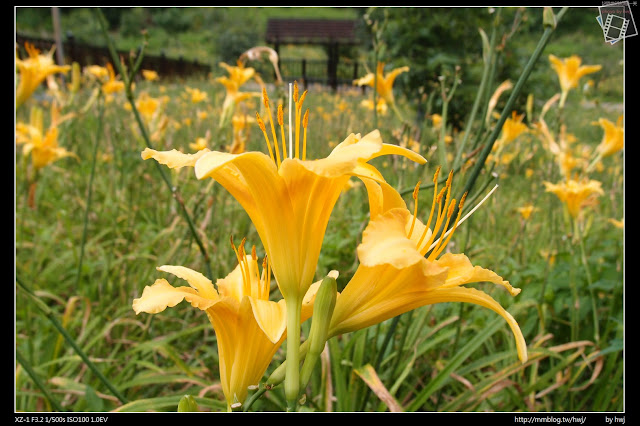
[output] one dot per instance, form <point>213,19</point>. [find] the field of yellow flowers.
<point>230,244</point>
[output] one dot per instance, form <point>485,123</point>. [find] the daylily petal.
<point>375,294</point>
<point>461,272</point>
<point>173,159</point>
<point>382,197</point>
<point>161,295</point>
<point>471,295</point>
<point>385,241</point>
<point>195,279</point>
<point>271,317</point>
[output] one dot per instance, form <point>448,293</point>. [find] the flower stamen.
<point>305,123</point>
<point>264,132</point>
<point>273,129</point>
<point>415,207</point>
<point>281,123</point>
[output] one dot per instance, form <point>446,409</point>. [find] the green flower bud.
<point>187,403</point>
<point>548,18</point>
<point>322,312</point>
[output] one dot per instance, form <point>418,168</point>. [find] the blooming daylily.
<point>289,200</point>
<point>42,146</point>
<point>395,274</point>
<point>112,85</point>
<point>576,194</point>
<point>239,123</point>
<point>34,70</point>
<point>381,108</point>
<point>150,75</point>
<point>613,139</point>
<point>238,76</point>
<point>570,71</point>
<point>97,72</point>
<point>526,210</point>
<point>196,95</point>
<point>512,128</point>
<point>249,327</point>
<point>561,150</point>
<point>383,83</point>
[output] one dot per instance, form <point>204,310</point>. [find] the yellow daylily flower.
<point>34,70</point>
<point>570,71</point>
<point>238,76</point>
<point>239,123</point>
<point>576,194</point>
<point>526,210</point>
<point>249,327</point>
<point>42,146</point>
<point>561,150</point>
<point>512,128</point>
<point>613,139</point>
<point>199,144</point>
<point>289,200</point>
<point>112,85</point>
<point>383,83</point>
<point>147,106</point>
<point>150,75</point>
<point>436,121</point>
<point>396,275</point>
<point>381,108</point>
<point>617,223</point>
<point>196,95</point>
<point>96,71</point>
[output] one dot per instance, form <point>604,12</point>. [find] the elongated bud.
<point>187,404</point>
<point>322,312</point>
<point>75,77</point>
<point>548,18</point>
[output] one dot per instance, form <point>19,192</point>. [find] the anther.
<point>435,176</point>
<point>415,190</point>
<point>260,122</point>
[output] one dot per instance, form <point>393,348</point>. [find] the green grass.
<point>445,357</point>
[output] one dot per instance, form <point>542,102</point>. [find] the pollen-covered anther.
<point>415,207</point>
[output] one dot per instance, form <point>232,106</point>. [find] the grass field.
<point>92,227</point>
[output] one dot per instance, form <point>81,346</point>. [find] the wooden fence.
<point>319,71</point>
<point>85,54</point>
<point>305,71</point>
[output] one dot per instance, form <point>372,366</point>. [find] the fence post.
<point>304,73</point>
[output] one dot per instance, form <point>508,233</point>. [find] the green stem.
<point>442,153</point>
<point>50,316</point>
<point>585,264</point>
<point>292,375</point>
<point>544,39</point>
<point>481,92</point>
